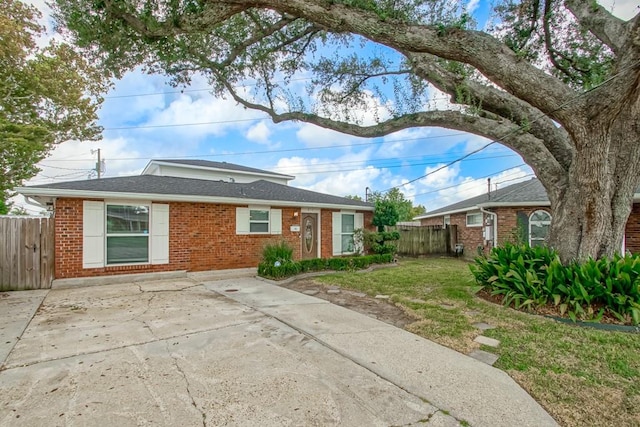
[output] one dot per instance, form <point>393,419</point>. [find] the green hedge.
<point>528,277</point>
<point>283,269</point>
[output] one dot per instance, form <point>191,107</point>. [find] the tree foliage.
<point>555,80</point>
<point>386,213</point>
<point>47,95</point>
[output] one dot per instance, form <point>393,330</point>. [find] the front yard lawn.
<point>582,376</point>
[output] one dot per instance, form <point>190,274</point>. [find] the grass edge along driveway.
<point>581,376</point>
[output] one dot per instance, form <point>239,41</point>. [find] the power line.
<point>472,181</point>
<point>561,106</point>
<point>324,147</point>
<point>443,166</point>
<point>391,166</point>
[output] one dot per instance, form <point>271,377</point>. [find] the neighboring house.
<point>516,213</point>
<point>191,215</point>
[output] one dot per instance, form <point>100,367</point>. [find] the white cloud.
<point>472,5</point>
<point>448,186</point>
<point>341,176</point>
<point>316,136</point>
<point>259,133</point>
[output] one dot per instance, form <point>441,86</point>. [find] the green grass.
<point>581,376</point>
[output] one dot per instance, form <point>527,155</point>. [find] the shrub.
<point>528,277</point>
<point>278,270</point>
<point>280,251</point>
<point>283,269</point>
<point>315,264</point>
<point>378,242</point>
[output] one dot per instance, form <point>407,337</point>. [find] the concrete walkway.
<point>239,352</point>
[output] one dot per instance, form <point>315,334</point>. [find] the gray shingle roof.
<point>219,165</point>
<point>525,192</point>
<point>168,185</point>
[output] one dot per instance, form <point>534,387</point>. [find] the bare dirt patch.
<point>381,309</point>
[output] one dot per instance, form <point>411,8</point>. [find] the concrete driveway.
<point>233,352</point>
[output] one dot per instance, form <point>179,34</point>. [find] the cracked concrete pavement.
<point>232,352</point>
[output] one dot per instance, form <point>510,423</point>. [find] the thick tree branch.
<point>503,131</point>
<point>609,29</point>
<point>490,99</point>
<point>484,52</point>
<point>211,15</point>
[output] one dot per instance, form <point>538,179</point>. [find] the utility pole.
<point>99,168</point>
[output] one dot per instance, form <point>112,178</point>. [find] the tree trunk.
<point>591,210</point>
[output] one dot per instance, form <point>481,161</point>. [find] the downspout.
<point>494,225</point>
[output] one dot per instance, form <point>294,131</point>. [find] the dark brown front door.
<point>309,235</point>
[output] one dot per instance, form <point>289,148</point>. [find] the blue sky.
<point>145,119</point>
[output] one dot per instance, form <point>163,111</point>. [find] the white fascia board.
<point>75,194</point>
<point>148,168</point>
<point>208,168</point>
<point>489,205</point>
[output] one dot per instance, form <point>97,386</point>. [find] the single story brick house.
<point>191,215</point>
<point>514,213</point>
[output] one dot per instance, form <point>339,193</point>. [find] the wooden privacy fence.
<point>26,260</point>
<point>426,240</point>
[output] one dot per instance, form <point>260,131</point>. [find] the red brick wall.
<point>632,230</point>
<point>202,236</point>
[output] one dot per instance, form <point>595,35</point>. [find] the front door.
<point>309,235</point>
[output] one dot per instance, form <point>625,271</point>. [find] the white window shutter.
<point>358,221</point>
<point>358,224</point>
<point>242,220</point>
<point>159,234</point>
<point>92,234</point>
<point>275,218</point>
<point>337,232</point>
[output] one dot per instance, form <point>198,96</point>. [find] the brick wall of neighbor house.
<point>508,223</point>
<point>632,230</point>
<point>470,237</point>
<point>202,236</point>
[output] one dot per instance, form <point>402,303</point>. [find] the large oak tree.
<point>48,95</point>
<point>556,81</point>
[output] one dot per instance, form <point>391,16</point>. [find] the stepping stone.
<point>448,306</point>
<point>472,313</point>
<point>358,294</point>
<point>487,341</point>
<point>417,301</point>
<point>382,296</point>
<point>311,292</point>
<point>483,326</point>
<point>484,356</point>
<point>333,291</point>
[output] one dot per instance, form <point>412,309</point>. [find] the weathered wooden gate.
<point>26,253</point>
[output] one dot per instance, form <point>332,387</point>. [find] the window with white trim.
<point>258,220</point>
<point>348,226</point>
<point>474,219</point>
<point>446,220</point>
<point>539,224</point>
<point>118,233</point>
<point>344,225</point>
<point>127,234</point>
